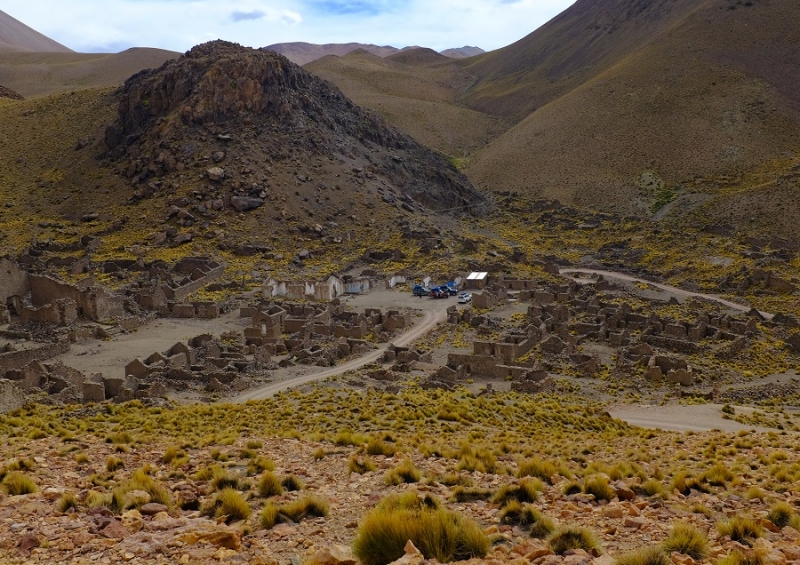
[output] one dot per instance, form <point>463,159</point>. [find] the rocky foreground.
<point>81,511</point>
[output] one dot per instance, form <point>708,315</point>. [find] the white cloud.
<point>113,25</point>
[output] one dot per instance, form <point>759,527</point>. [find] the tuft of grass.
<point>81,458</point>
<point>113,463</point>
<point>527,516</point>
<point>652,487</point>
<point>740,528</point>
<point>758,556</point>
<point>16,483</point>
<point>599,487</point>
<point>222,479</point>
<point>571,487</point>
<point>468,494</point>
<point>537,467</point>
<point>360,464</point>
<point>269,485</point>
<point>573,537</point>
<point>292,483</point>
<point>376,446</point>
<point>66,501</point>
<point>781,514</point>
<point>436,532</point>
<point>454,479</point>
<point>304,507</point>
<point>171,453</point>
<point>254,444</point>
<point>259,465</point>
<point>687,538</point>
<point>231,505</point>
<point>405,472</point>
<point>319,454</point>
<point>97,499</point>
<point>268,516</point>
<point>651,555</point>
<point>718,475</point>
<point>684,483</point>
<point>527,490</point>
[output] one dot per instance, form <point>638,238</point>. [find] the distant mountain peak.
<point>16,36</point>
<point>303,53</point>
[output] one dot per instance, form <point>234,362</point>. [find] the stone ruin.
<point>318,334</point>
<point>562,317</point>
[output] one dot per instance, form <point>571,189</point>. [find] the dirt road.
<point>665,287</point>
<point>435,315</point>
<point>680,418</point>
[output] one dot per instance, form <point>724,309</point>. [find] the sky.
<point>115,25</point>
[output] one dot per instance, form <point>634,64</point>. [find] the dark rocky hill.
<point>255,107</point>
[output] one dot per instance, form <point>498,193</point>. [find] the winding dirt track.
<point>431,318</point>
<point>665,287</point>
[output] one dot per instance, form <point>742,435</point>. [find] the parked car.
<point>421,290</point>
<point>438,293</point>
<point>452,290</point>
<point>464,297</point>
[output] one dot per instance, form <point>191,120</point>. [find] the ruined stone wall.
<point>13,280</point>
<point>94,303</point>
<point>11,397</point>
<point>185,290</point>
<point>18,359</point>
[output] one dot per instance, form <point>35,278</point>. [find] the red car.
<point>439,293</point>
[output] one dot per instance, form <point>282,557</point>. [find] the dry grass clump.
<point>360,464</point>
<point>140,480</point>
<point>757,556</point>
<point>405,472</point>
<point>438,533</point>
<point>269,485</point>
<point>66,501</point>
<point>114,463</point>
<point>16,483</point>
<point>259,465</point>
<point>222,479</point>
<point>173,453</point>
<point>599,487</point>
<point>573,537</point>
<point>718,475</point>
<point>527,490</point>
<point>651,555</point>
<point>309,506</point>
<point>527,516</point>
<point>743,529</point>
<point>228,504</point>
<point>302,508</point>
<point>652,487</point>
<point>376,446</point>
<point>537,467</point>
<point>268,516</point>
<point>781,514</point>
<point>686,538</point>
<point>471,494</point>
<point>292,483</point>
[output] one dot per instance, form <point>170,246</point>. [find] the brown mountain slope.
<point>39,74</point>
<point>416,91</point>
<point>16,36</point>
<point>575,46</point>
<point>236,151</point>
<point>714,96</point>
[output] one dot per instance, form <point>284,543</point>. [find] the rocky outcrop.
<point>165,114</point>
<point>8,93</point>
